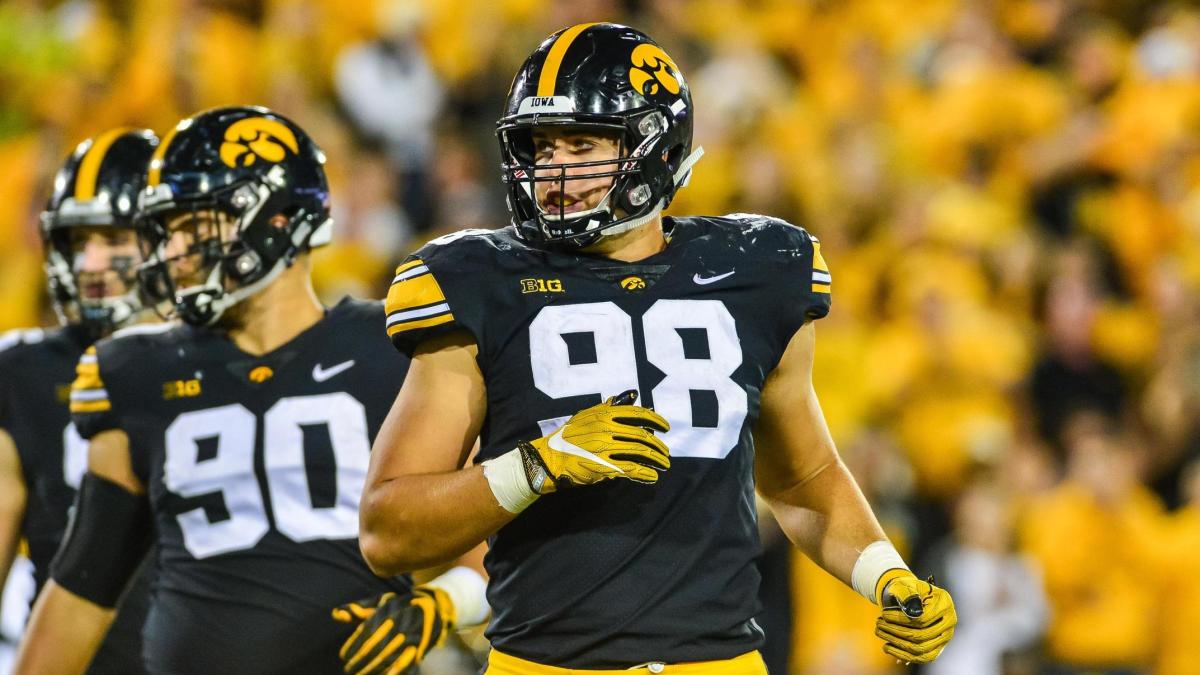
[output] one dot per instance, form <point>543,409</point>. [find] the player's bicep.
<point>109,457</point>
<point>435,419</point>
<point>791,437</point>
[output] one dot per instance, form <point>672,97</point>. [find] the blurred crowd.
<point>1007,193</point>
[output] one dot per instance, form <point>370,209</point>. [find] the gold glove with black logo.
<point>918,618</point>
<point>614,439</point>
<point>396,631</point>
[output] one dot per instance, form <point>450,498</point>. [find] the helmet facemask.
<point>636,175</point>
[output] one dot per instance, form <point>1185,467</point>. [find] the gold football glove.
<point>918,618</point>
<point>396,631</point>
<point>614,439</point>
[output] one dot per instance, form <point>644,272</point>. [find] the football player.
<point>238,439</point>
<point>635,379</point>
<point>91,266</point>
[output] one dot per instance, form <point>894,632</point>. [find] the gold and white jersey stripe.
<point>88,394</point>
<point>415,300</point>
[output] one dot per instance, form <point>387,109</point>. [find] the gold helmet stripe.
<point>154,177</point>
<point>86,181</point>
<point>554,59</point>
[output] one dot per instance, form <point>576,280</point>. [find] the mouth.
<point>563,207</point>
<point>559,204</point>
<point>93,290</point>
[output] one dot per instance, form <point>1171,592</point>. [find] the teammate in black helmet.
<point>238,439</point>
<point>636,378</point>
<point>91,255</point>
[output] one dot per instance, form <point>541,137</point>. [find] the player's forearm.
<point>63,634</point>
<point>828,518</point>
<point>414,521</point>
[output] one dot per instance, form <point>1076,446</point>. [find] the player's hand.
<point>614,439</point>
<point>918,619</point>
<point>396,631</point>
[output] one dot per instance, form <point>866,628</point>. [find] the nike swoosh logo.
<point>321,374</point>
<point>704,281</point>
<point>560,444</point>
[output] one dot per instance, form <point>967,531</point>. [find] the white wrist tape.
<point>875,559</point>
<point>506,476</point>
<point>468,591</point>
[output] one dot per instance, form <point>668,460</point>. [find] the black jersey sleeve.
<point>417,309</point>
<point>91,407</point>
<point>805,281</point>
<point>428,298</point>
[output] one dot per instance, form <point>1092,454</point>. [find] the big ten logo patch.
<point>181,389</point>
<point>541,286</point>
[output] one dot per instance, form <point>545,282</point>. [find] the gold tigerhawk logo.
<point>254,138</point>
<point>652,68</point>
<point>633,283</point>
<point>261,374</point>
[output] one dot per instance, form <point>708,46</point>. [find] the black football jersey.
<point>254,467</point>
<point>616,574</point>
<point>36,369</point>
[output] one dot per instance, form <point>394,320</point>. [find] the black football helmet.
<point>248,164</point>
<point>98,186</point>
<point>603,76</point>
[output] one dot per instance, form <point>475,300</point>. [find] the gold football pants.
<point>746,664</point>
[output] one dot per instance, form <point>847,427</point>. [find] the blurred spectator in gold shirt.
<point>1180,633</point>
<point>1098,538</point>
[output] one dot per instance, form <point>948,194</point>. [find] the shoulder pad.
<point>129,347</point>
<point>461,234</point>
<point>459,248</point>
<point>144,329</point>
<point>18,336</point>
<point>356,309</point>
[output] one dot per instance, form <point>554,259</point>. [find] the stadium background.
<point>1007,192</point>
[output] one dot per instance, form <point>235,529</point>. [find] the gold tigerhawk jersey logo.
<point>261,374</point>
<point>541,286</point>
<point>181,389</point>
<point>633,283</point>
<point>652,67</point>
<point>254,138</point>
